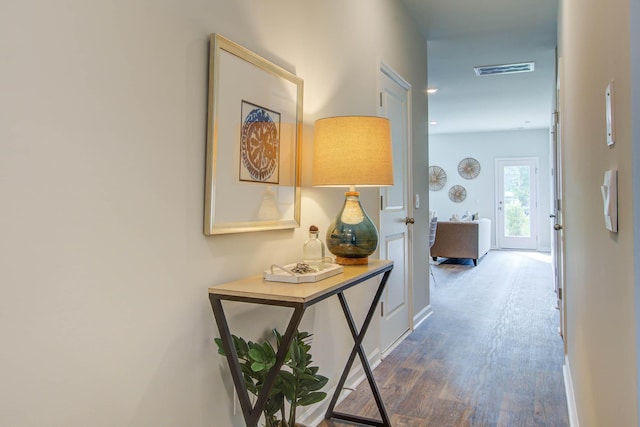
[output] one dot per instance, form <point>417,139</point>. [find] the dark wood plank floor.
<point>490,355</point>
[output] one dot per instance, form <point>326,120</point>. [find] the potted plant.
<point>297,384</point>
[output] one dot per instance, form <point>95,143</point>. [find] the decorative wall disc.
<point>457,193</point>
<point>437,178</point>
<point>469,168</point>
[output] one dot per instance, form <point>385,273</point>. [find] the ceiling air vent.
<point>489,70</point>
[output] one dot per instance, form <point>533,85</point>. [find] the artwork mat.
<point>231,205</point>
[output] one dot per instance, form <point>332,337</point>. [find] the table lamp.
<point>352,151</point>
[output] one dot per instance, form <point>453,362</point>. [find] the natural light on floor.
<point>539,256</point>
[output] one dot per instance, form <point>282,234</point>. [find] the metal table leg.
<point>359,350</point>
<point>252,414</point>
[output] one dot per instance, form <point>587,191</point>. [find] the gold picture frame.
<point>254,134</point>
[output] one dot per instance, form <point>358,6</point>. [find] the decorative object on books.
<point>457,193</point>
<point>469,168</point>
<point>437,178</point>
<point>297,384</point>
<point>254,127</point>
<point>352,151</point>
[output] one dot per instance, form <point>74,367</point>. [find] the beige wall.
<point>595,43</point>
<point>104,268</point>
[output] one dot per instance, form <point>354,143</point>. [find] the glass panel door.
<point>517,203</point>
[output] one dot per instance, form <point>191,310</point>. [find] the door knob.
<point>557,227</point>
<point>408,220</point>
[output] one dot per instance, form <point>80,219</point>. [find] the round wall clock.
<point>469,168</point>
<point>437,178</point>
<point>457,193</point>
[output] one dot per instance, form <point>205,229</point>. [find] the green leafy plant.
<point>298,383</point>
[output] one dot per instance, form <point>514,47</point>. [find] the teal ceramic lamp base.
<point>352,236</point>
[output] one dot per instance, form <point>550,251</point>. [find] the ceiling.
<point>462,34</point>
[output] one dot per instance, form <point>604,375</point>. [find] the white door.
<point>395,233</point>
<point>557,247</point>
<point>517,203</point>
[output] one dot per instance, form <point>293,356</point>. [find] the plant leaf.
<point>318,384</point>
<point>295,352</point>
<point>257,354</point>
<point>218,342</point>
<point>241,346</point>
<point>278,337</point>
<point>258,366</point>
<point>269,352</point>
<point>287,377</point>
<point>274,404</point>
<point>311,398</point>
<point>289,391</point>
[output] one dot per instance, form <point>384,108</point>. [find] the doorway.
<point>395,212</point>
<point>517,203</point>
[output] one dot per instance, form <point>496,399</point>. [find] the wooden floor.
<point>490,355</point>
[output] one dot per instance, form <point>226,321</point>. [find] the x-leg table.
<point>299,297</point>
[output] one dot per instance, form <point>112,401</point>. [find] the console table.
<point>256,290</point>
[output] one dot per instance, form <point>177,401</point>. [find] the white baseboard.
<point>422,316</point>
<point>396,343</point>
<point>314,415</point>
<point>571,398</point>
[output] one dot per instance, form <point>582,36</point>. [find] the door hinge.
<point>381,99</point>
<point>381,308</point>
<point>381,202</point>
<point>560,293</point>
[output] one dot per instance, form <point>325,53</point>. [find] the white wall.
<point>104,268</point>
<point>446,151</point>
<point>595,49</point>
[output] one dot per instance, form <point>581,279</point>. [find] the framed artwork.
<point>254,128</point>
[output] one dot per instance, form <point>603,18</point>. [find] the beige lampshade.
<point>352,151</point>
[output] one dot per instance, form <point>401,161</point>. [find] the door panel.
<point>556,223</point>
<point>394,233</point>
<point>397,297</point>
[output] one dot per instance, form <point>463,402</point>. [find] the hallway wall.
<point>594,47</point>
<point>104,268</point>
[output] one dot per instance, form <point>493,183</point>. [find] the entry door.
<point>395,230</point>
<point>517,203</point>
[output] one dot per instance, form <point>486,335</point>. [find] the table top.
<point>256,289</point>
